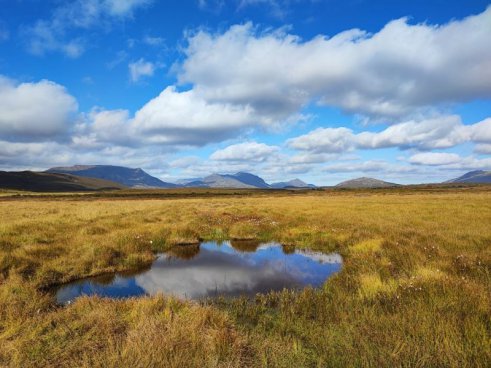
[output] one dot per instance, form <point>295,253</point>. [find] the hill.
<point>135,178</point>
<point>477,177</point>
<point>52,182</point>
<point>365,183</point>
<point>238,180</point>
<point>295,183</point>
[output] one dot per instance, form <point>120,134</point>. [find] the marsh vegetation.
<point>414,289</point>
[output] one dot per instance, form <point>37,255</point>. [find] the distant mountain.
<point>478,177</point>
<point>250,179</point>
<point>238,180</point>
<point>187,181</point>
<point>365,183</point>
<point>295,183</point>
<point>52,182</point>
<point>135,178</point>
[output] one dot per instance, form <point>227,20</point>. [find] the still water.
<point>212,269</point>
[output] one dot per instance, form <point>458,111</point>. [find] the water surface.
<point>211,269</point>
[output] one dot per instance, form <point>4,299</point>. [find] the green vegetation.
<point>415,289</point>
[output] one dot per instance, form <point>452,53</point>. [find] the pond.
<point>213,269</point>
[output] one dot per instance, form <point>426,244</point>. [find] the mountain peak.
<point>476,176</point>
<point>136,178</point>
<point>365,182</point>
<point>294,183</point>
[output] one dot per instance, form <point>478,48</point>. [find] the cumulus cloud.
<point>451,161</point>
<point>439,132</point>
<point>51,35</point>
<point>434,158</point>
<point>186,118</point>
<point>245,78</point>
<point>247,151</point>
<point>311,158</point>
<point>401,69</point>
<point>325,140</point>
<point>172,118</point>
<point>34,111</point>
<point>484,148</point>
<point>369,166</point>
<point>481,132</point>
<point>141,68</point>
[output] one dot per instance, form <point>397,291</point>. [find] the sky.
<point>321,90</point>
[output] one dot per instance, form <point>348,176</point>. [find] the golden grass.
<point>367,246</point>
<point>414,291</point>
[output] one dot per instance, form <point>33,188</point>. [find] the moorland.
<point>414,289</point>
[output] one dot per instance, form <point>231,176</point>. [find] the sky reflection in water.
<point>211,269</point>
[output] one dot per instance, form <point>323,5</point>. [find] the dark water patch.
<point>211,269</point>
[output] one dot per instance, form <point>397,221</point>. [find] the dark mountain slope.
<point>295,183</point>
<point>365,183</point>
<point>119,174</point>
<point>52,182</point>
<point>477,177</point>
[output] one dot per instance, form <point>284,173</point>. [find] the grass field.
<point>414,291</point>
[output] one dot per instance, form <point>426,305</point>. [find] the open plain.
<point>414,289</point>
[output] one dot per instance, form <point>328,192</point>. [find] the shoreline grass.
<point>414,290</point>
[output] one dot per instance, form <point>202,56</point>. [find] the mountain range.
<point>96,177</point>
<point>137,178</point>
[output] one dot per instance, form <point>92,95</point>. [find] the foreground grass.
<point>415,289</point>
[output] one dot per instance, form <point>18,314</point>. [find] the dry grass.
<point>415,289</point>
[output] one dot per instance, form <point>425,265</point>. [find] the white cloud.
<point>438,132</point>
<point>123,7</point>
<point>481,132</point>
<point>400,70</point>
<point>51,35</point>
<point>172,118</point>
<point>369,166</point>
<point>43,38</point>
<point>186,118</point>
<point>324,140</point>
<point>141,68</point>
<point>312,158</point>
<point>433,133</point>
<point>185,162</point>
<point>450,161</point>
<point>247,151</point>
<point>153,41</point>
<point>434,158</point>
<point>484,148</point>
<point>34,111</point>
<point>105,127</point>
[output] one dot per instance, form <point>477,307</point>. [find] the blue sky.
<point>320,90</point>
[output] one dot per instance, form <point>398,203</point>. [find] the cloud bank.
<point>400,70</point>
<point>403,78</point>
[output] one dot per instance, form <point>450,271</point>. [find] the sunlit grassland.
<point>415,288</point>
